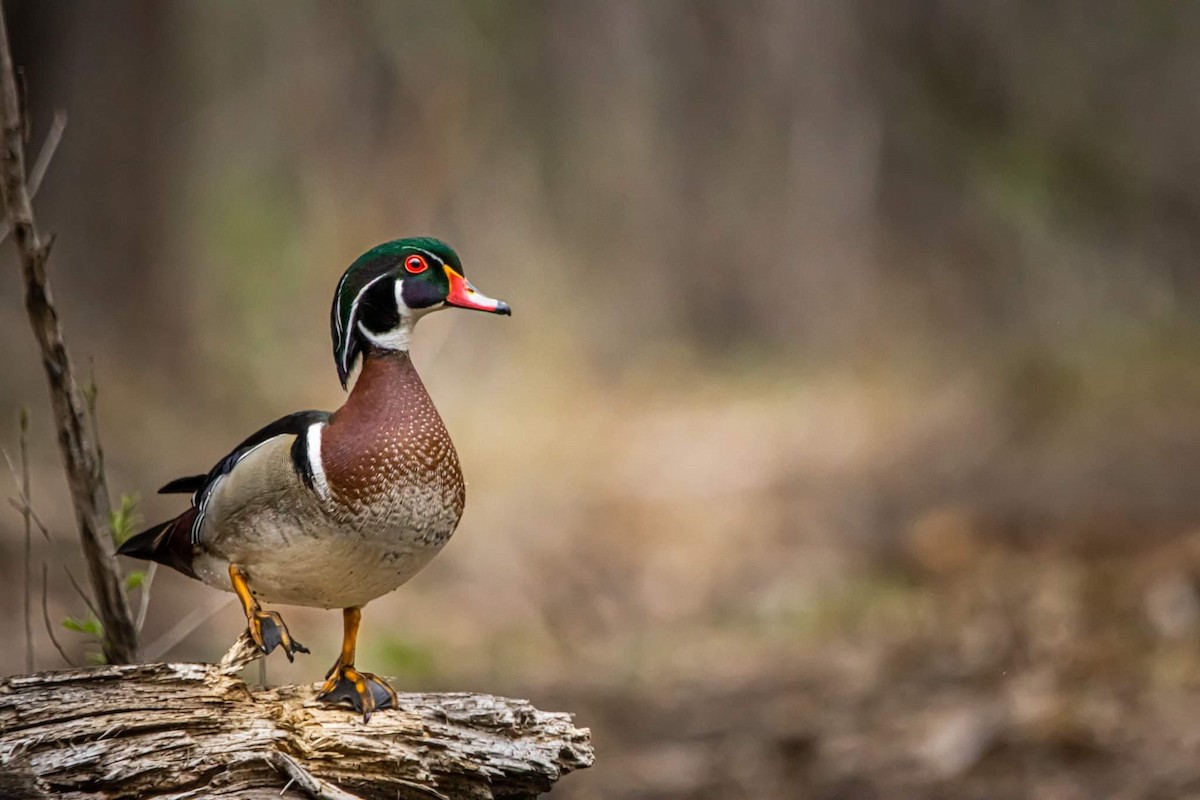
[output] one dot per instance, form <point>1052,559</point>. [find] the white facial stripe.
<point>401,306</point>
<point>345,336</point>
<point>431,255</point>
<point>337,318</point>
<point>315,466</point>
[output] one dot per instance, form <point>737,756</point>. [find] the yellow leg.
<point>366,692</point>
<point>266,628</point>
<point>242,589</point>
<point>351,617</point>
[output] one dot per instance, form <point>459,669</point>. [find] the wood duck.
<point>334,510</point>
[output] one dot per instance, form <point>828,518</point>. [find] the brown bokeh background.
<point>845,439</point>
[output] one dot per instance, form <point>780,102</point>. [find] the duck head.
<point>388,288</point>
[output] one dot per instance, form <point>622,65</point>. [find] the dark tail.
<point>168,543</point>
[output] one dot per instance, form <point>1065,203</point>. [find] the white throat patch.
<point>399,337</point>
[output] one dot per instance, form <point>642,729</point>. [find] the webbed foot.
<point>365,692</point>
<point>267,630</point>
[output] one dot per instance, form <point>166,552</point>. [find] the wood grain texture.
<point>197,730</point>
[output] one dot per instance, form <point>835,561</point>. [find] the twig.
<point>46,616</point>
<point>426,790</point>
<point>87,601</point>
<point>315,787</point>
<point>182,629</point>
<point>22,506</point>
<point>49,148</point>
<point>26,514</point>
<point>144,598</point>
<point>324,790</point>
<point>89,491</point>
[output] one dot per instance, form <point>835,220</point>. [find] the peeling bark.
<point>197,730</point>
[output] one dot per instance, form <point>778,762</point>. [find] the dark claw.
<point>344,690</point>
<point>268,631</point>
<point>380,693</point>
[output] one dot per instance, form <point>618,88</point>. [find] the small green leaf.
<point>91,626</point>
<point>124,520</point>
<point>134,580</point>
<point>94,658</point>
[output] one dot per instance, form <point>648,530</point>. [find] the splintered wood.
<point>197,730</point>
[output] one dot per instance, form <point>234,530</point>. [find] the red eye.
<point>415,264</point>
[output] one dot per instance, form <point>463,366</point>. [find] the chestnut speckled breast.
<point>391,497</point>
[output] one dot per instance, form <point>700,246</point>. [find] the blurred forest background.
<point>845,440</point>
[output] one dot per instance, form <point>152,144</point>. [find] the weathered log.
<point>198,731</point>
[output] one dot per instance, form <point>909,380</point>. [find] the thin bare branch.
<point>184,628</point>
<point>27,515</point>
<point>16,476</point>
<point>144,598</point>
<point>49,147</point>
<point>314,787</point>
<point>46,617</point>
<point>87,601</point>
<point>89,491</point>
<point>25,508</point>
<point>46,155</point>
<point>20,505</point>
